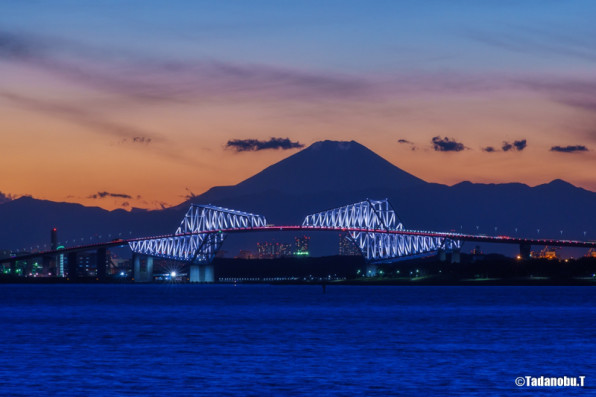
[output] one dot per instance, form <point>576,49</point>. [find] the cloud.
<point>488,149</point>
<point>515,146</point>
<point>405,141</point>
<point>520,145</point>
<point>5,198</point>
<point>137,139</point>
<point>78,115</point>
<point>543,42</point>
<point>579,94</point>
<point>253,145</point>
<point>144,78</point>
<point>100,195</point>
<point>447,145</point>
<point>569,149</point>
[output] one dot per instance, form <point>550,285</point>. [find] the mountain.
<point>325,175</point>
<point>329,166</point>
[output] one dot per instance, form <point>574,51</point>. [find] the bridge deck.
<point>292,228</point>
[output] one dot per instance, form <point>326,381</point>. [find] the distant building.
<point>266,250</point>
<point>87,264</point>
<point>546,253</point>
<point>346,246</point>
<point>245,254</point>
<point>271,250</point>
<point>476,251</point>
<point>301,246</point>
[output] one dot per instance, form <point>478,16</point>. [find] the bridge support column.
<point>195,276</point>
<point>456,255</point>
<point>202,273</point>
<point>208,274</point>
<point>13,267</point>
<point>73,265</point>
<point>442,255</point>
<point>100,266</point>
<point>524,251</point>
<point>142,274</point>
<point>371,270</point>
<point>149,267</point>
<point>136,266</point>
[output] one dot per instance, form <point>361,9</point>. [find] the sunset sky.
<point>126,104</point>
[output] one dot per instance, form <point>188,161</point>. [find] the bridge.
<point>372,225</point>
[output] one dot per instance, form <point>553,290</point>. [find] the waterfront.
<point>173,339</point>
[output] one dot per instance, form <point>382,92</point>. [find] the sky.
<point>123,104</point>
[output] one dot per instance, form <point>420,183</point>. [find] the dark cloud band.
<point>100,195</point>
<point>447,145</point>
<point>253,145</point>
<point>516,145</point>
<point>569,149</point>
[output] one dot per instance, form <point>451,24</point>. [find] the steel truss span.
<point>199,235</point>
<point>377,246</point>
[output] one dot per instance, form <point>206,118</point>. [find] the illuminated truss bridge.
<point>372,225</point>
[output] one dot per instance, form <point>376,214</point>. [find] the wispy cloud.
<point>143,140</point>
<point>576,93</point>
<point>489,149</point>
<point>148,79</point>
<point>447,145</point>
<point>253,145</point>
<point>540,42</point>
<point>408,143</point>
<point>100,195</point>
<point>77,115</point>
<point>569,149</point>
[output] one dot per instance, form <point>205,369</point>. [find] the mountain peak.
<point>334,145</point>
<point>338,166</point>
<point>557,184</point>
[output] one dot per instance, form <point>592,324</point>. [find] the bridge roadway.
<point>480,238</point>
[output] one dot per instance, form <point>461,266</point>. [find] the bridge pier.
<point>524,251</point>
<point>73,266</point>
<point>142,274</point>
<point>456,255</point>
<point>101,263</point>
<point>149,269</point>
<point>136,265</point>
<point>201,273</point>
<point>442,255</point>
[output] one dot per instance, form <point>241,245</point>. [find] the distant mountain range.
<point>325,175</point>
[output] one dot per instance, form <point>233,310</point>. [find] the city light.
<point>173,274</point>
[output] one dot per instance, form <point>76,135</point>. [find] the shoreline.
<point>535,281</point>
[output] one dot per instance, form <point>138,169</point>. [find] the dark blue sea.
<point>170,340</point>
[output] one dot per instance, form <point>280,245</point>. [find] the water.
<point>291,340</point>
